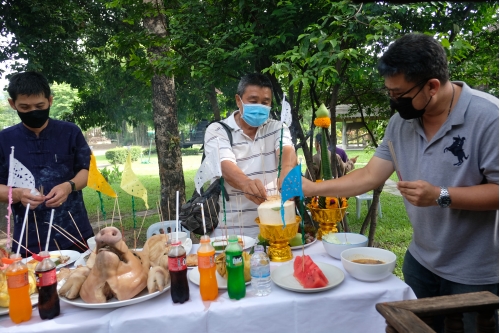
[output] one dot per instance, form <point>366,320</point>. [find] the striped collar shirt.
<point>258,159</point>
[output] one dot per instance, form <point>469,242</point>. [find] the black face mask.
<point>405,108</point>
<point>35,118</point>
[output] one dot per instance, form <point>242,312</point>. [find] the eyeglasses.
<point>390,91</point>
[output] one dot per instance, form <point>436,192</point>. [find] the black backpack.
<point>190,214</point>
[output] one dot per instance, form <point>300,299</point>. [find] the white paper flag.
<point>19,175</point>
<point>286,112</point>
<point>209,169</point>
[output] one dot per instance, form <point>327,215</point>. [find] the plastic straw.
<point>203,219</point>
<point>22,229</point>
<point>176,216</point>
<point>50,229</point>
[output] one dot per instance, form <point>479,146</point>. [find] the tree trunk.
<point>371,217</point>
<point>212,97</point>
<point>165,122</point>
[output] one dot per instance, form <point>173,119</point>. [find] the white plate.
<point>73,256</point>
<point>114,303</point>
<point>299,247</point>
<point>194,276</point>
<point>188,245</point>
<point>283,277</point>
<point>34,301</point>
<point>247,241</point>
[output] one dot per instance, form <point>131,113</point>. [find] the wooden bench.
<point>415,315</point>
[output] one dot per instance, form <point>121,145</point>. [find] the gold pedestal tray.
<point>327,219</point>
<point>279,250</point>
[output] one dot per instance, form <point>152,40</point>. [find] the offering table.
<point>349,308</point>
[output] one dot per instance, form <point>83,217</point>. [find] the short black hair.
<point>419,57</point>
<point>254,79</point>
<point>28,83</point>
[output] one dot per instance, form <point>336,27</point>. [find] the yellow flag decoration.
<point>131,184</point>
<point>97,181</point>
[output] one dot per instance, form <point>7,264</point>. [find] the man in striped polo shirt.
<point>250,165</point>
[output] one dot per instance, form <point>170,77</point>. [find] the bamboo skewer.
<point>113,216</point>
<point>21,245</point>
<point>72,219</point>
<point>120,216</point>
<point>37,234</point>
<point>140,229</point>
<point>67,235</point>
<point>393,155</point>
<point>58,248</point>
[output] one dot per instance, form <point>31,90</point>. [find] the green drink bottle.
<point>236,288</point>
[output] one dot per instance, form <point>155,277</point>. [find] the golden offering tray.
<point>327,219</point>
<point>279,250</point>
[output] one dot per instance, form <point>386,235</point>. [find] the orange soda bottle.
<point>206,266</point>
<point>18,288</point>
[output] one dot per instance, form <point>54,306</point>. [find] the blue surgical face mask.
<point>255,114</point>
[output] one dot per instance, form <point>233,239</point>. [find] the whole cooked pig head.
<point>117,271</point>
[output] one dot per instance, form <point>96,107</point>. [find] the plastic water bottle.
<point>260,271</point>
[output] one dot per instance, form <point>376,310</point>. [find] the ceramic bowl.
<point>335,243</point>
<point>368,271</point>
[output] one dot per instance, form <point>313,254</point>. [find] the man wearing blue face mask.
<point>250,164</point>
<point>58,157</point>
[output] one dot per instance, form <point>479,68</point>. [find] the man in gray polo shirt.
<point>445,138</point>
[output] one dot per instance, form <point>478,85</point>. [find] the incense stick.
<point>37,234</point>
<point>396,165</point>
<point>72,219</point>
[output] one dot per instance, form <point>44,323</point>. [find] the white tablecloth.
<point>349,307</point>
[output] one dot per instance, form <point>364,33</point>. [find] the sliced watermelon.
<point>311,276</point>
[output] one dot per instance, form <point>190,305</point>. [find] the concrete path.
<point>390,187</point>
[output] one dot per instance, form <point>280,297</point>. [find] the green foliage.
<point>190,151</point>
<point>119,155</point>
<point>112,175</point>
<point>64,98</point>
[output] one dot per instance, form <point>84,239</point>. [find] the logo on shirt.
<point>457,149</point>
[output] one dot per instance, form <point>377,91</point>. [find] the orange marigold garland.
<point>323,122</point>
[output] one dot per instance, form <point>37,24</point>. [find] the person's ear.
<point>434,86</point>
<point>239,102</point>
<point>12,103</point>
<point>51,98</point>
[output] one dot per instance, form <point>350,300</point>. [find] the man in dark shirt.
<point>58,157</point>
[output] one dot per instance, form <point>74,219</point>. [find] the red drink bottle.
<point>179,288</point>
<point>46,282</point>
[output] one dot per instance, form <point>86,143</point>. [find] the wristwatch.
<point>73,187</point>
<point>444,199</point>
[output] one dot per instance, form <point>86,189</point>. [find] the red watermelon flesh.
<point>311,276</point>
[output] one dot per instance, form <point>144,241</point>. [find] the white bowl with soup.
<point>368,263</point>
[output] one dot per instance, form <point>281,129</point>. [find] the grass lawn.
<point>393,229</point>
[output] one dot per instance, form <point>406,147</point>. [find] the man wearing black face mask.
<point>445,140</point>
<point>58,157</point>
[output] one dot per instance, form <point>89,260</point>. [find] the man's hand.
<point>255,187</point>
<point>419,193</point>
<point>25,196</point>
<point>58,195</point>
